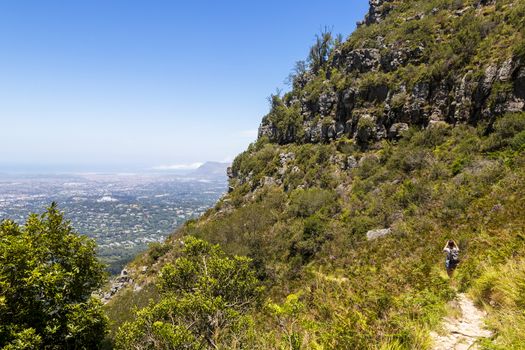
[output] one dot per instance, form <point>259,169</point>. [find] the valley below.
<point>124,213</point>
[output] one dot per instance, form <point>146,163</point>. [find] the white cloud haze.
<point>189,166</point>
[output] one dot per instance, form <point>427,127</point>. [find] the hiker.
<point>452,259</point>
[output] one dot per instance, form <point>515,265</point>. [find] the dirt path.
<point>462,332</point>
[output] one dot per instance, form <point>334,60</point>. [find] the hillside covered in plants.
<point>406,134</point>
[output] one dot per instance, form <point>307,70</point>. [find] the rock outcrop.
<point>120,282</point>
<point>459,94</point>
<point>374,234</point>
<point>378,10</point>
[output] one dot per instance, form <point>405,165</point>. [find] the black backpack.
<point>453,255</point>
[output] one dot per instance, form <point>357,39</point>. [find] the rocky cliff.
<point>418,64</point>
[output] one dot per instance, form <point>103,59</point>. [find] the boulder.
<point>284,159</point>
<point>314,133</point>
<point>267,129</point>
<point>377,11</point>
<point>349,96</point>
<point>362,60</point>
<point>327,101</point>
<point>506,69</point>
<point>338,160</point>
<point>270,181</point>
<point>374,234</point>
<point>351,162</point>
<point>396,130</point>
<point>396,57</point>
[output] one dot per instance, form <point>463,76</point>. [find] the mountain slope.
<point>407,134</point>
<point>211,170</point>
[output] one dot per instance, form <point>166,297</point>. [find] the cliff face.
<point>418,64</point>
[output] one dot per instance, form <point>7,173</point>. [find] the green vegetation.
<point>419,49</point>
<point>327,286</point>
<point>47,274</point>
<point>287,259</point>
<point>321,50</point>
<point>501,290</point>
<point>205,296</point>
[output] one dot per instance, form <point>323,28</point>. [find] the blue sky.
<point>125,84</point>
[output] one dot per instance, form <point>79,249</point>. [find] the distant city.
<point>122,212</point>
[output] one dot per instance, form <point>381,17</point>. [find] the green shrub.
<point>156,250</point>
<point>518,141</point>
<point>505,129</point>
<point>519,48</point>
<point>499,93</point>
<point>368,166</point>
<point>47,275</point>
<point>307,202</point>
<point>432,137</point>
<point>312,238</point>
<point>205,295</point>
<point>502,290</point>
<point>346,146</point>
<point>459,164</point>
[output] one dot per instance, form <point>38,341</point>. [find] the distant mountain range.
<point>211,170</point>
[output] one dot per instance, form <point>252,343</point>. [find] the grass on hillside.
<point>328,287</point>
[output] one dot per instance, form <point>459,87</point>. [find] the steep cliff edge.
<point>407,134</point>
<point>413,63</point>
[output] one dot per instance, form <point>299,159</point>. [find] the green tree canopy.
<point>320,51</point>
<point>47,275</point>
<point>205,295</point>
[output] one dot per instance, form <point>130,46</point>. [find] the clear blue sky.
<point>139,84</point>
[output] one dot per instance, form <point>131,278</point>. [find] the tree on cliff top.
<point>321,49</point>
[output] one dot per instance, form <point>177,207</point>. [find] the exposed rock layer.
<point>369,110</point>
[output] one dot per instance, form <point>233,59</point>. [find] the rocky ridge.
<point>120,282</point>
<point>368,107</point>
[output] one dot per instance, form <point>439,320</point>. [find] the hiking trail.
<point>461,333</point>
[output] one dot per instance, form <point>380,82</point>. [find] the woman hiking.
<point>452,259</point>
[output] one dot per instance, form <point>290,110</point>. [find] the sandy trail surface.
<point>461,333</point>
